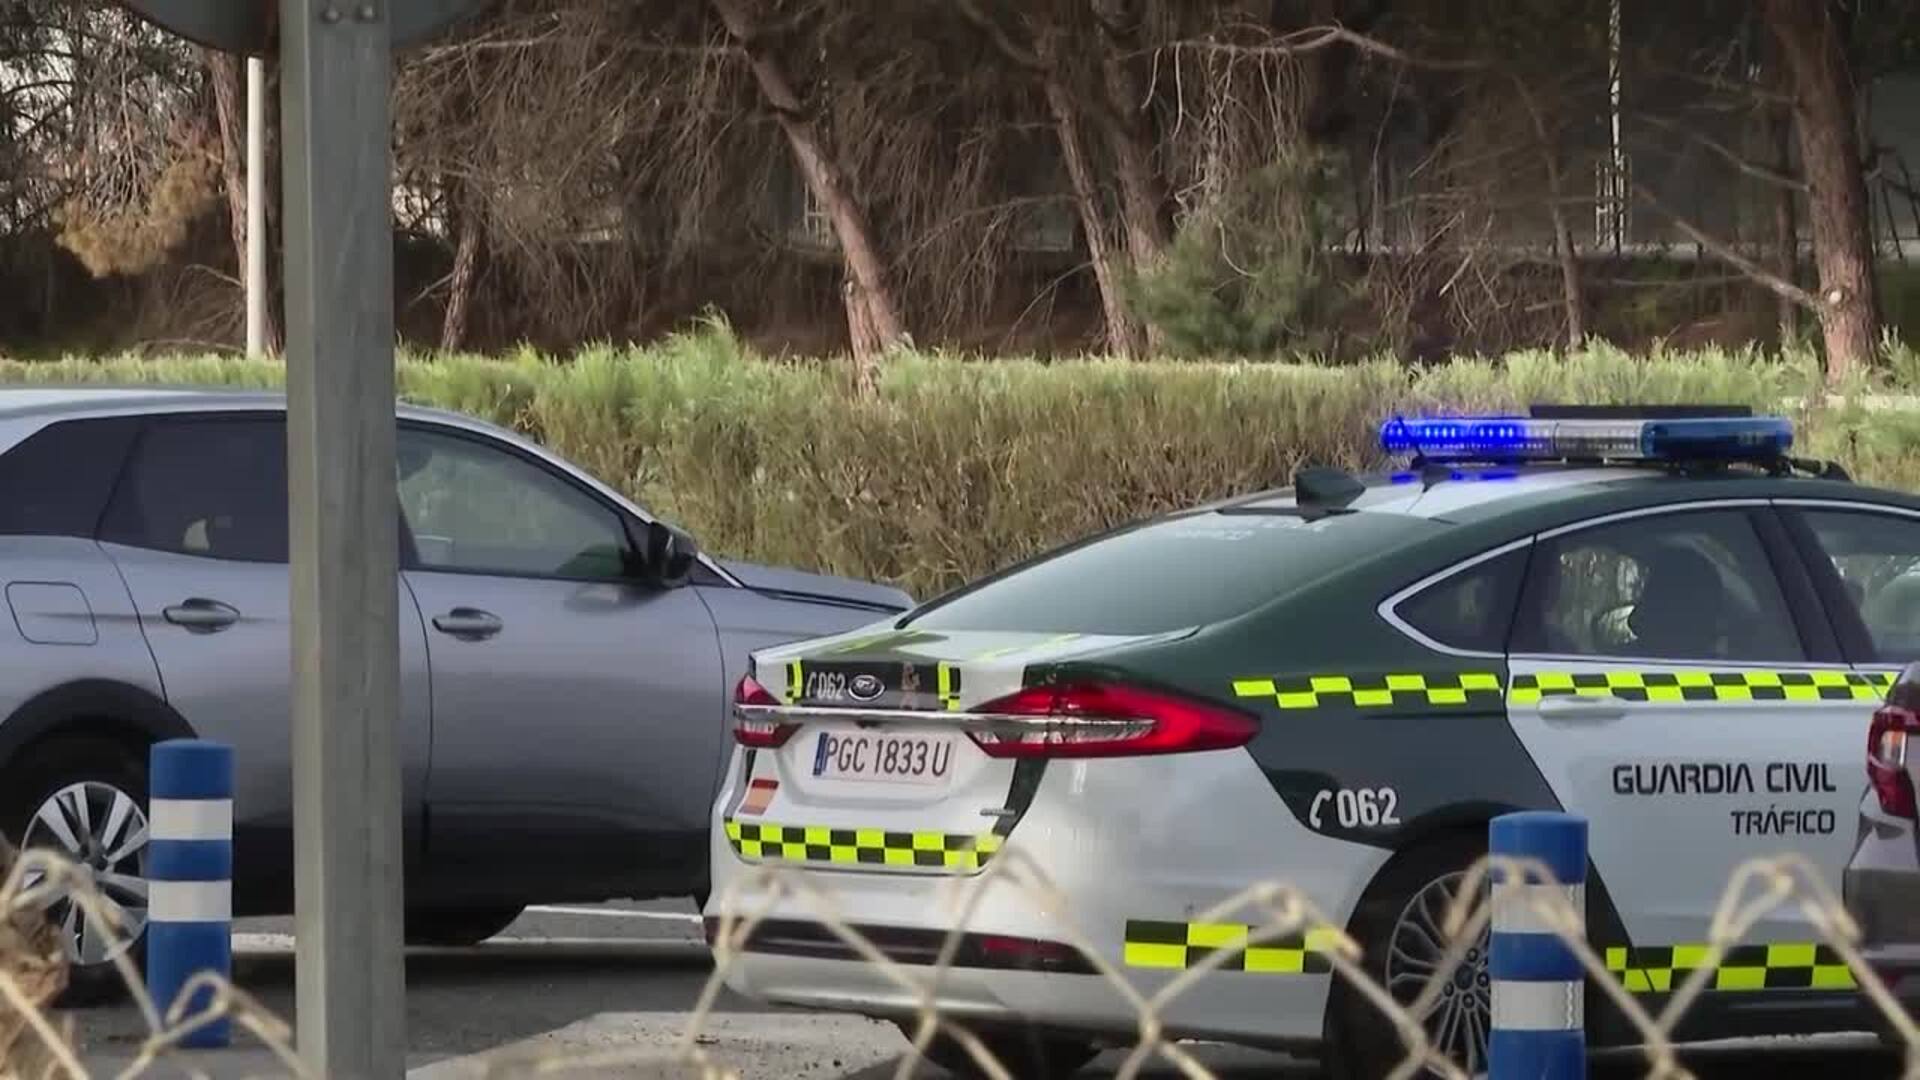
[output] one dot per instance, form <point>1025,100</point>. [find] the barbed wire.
<point>38,1041</point>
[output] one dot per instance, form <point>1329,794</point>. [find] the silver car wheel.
<point>104,831</point>
<point>1461,1016</point>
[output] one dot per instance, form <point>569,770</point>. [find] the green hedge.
<point>958,467</point>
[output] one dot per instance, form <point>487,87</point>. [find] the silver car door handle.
<point>1581,707</point>
<point>468,622</point>
<point>202,615</point>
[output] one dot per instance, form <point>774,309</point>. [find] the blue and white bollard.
<point>190,876</point>
<point>1539,986</point>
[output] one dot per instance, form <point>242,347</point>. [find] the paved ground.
<point>568,983</point>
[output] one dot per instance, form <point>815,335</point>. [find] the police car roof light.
<point>1516,439</point>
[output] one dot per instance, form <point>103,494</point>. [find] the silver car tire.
<point>459,928</point>
<point>86,799</point>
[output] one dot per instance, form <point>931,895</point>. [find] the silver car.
<point>1881,887</point>
<point>564,693</point>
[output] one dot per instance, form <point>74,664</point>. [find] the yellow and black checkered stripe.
<point>1703,685</point>
<point>1470,688</point>
<point>862,847</point>
<point>1661,969</point>
<point>1375,691</point>
<point>1177,946</point>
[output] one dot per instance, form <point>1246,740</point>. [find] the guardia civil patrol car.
<point>1639,616</point>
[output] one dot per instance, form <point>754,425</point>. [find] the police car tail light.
<point>1084,720</point>
<point>749,729</point>
<point>1887,759</point>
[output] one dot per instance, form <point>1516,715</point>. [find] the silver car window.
<point>477,508</point>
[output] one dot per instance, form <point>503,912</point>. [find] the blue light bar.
<point>1510,438</point>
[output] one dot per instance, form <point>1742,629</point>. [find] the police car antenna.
<point>1325,489</point>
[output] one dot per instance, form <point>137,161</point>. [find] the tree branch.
<point>970,10</point>
<point>1315,39</point>
<point>1723,251</point>
<point>1723,151</point>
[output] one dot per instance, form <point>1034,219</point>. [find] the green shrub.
<point>1250,273</point>
<point>956,468</point>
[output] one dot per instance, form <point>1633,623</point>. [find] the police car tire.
<point>1361,1042</point>
<point>1027,1055</point>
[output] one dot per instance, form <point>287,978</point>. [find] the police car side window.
<point>1878,559</point>
<point>1471,609</point>
<point>1684,586</point>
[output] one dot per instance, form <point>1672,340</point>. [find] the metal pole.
<point>337,74</point>
<point>256,206</point>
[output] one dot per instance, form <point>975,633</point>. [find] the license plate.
<point>892,759</point>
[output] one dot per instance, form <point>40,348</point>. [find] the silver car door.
<point>577,708</point>
<point>198,528</point>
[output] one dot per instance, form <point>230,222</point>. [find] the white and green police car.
<point>1638,616</point>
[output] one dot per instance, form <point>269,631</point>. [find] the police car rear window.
<point>1172,574</point>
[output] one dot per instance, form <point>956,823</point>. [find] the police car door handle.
<point>1581,707</point>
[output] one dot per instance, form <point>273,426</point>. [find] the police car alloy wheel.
<point>1651,620</point>
<point>1460,1019</point>
<point>1401,928</point>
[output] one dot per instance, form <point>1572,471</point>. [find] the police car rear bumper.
<point>1092,861</point>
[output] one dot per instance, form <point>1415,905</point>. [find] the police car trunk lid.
<point>870,755</point>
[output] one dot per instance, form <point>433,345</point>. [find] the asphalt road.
<point>608,989</point>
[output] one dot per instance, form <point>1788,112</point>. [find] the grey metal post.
<point>337,76</point>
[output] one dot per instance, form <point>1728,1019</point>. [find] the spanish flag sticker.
<point>759,796</point>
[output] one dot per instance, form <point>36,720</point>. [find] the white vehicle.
<point>1336,687</point>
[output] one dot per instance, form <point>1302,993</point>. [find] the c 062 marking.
<point>1357,808</point>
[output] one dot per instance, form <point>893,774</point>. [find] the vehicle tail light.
<point>1887,759</point>
<point>1087,720</point>
<point>758,732</point>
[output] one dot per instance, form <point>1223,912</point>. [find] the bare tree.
<point>1127,122</point>
<point>1049,55</point>
<point>470,227</point>
<point>1813,42</point>
<point>873,317</point>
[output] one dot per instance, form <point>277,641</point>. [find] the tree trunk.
<point>466,263</point>
<point>1129,136</point>
<point>228,74</point>
<point>824,178</point>
<point>1814,47</point>
<point>1786,223</point>
<point>1123,333</point>
<point>863,337</point>
<point>1573,295</point>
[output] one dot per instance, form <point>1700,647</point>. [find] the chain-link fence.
<point>39,1041</point>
